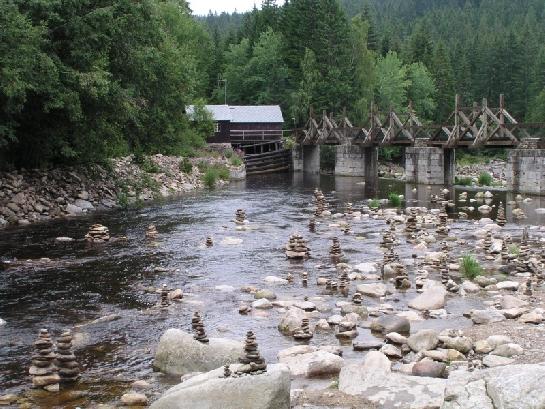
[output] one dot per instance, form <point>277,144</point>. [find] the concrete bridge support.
<point>353,160</point>
<point>526,171</point>
<point>429,165</point>
<point>311,158</point>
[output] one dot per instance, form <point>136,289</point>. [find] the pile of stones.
<point>254,364</point>
<point>335,251</point>
<point>151,232</point>
<point>442,227</point>
<point>240,216</point>
<point>303,333</point>
<point>66,361</point>
<point>297,247</point>
<point>98,234</point>
<point>410,226</point>
<point>500,218</point>
<point>321,203</point>
<point>198,328</point>
<point>164,302</point>
<point>43,370</point>
<point>209,242</point>
<point>312,225</point>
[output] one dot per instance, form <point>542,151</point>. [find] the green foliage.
<point>288,142</point>
<point>485,179</point>
<point>235,160</point>
<point>374,203</point>
<point>394,199</point>
<point>390,153</point>
<point>470,267</point>
<point>186,166</point>
<point>422,91</point>
<point>514,249</point>
<point>210,177</point>
<point>211,173</point>
<point>463,181</point>
<point>392,83</point>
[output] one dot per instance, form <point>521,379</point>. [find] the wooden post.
<point>456,119</point>
<point>502,116</point>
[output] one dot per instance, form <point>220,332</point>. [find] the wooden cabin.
<point>242,125</point>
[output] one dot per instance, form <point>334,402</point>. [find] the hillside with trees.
<point>85,80</point>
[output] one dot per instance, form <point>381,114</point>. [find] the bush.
<point>485,179</point>
<point>463,181</point>
<point>236,161</point>
<point>210,177</point>
<point>470,267</point>
<point>394,199</point>
<point>228,153</point>
<point>514,249</point>
<point>288,142</point>
<point>374,203</point>
<point>186,166</point>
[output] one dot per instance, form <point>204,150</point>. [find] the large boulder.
<point>372,290</point>
<point>270,390</point>
<point>178,353</point>
<point>432,298</point>
<point>291,321</point>
<point>391,323</point>
<point>486,316</point>
<point>312,364</point>
<point>374,380</point>
<point>423,340</point>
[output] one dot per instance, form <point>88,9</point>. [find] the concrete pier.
<point>311,158</point>
<point>353,160</point>
<point>526,171</point>
<point>429,165</point>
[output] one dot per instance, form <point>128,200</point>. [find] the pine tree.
<point>444,80</point>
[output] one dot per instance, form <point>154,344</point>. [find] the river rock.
<point>391,323</point>
<point>350,308</point>
<point>396,338</point>
<point>313,364</point>
<point>432,298</point>
<point>510,301</point>
<point>516,386</point>
<point>268,294</point>
<point>513,313</point>
<point>470,287</point>
<point>270,390</point>
<point>291,321</point>
<point>374,380</point>
<point>533,317</point>
<point>275,280</point>
<point>73,209</point>
<point>134,399</point>
<point>507,350</point>
<point>423,340</point>
<point>429,368</point>
<point>492,361</point>
<point>458,342</point>
<point>84,204</point>
<point>484,281</point>
<point>262,304</point>
<point>178,353</point>
<point>496,340</point>
<point>508,285</point>
<point>486,316</point>
<point>391,351</point>
<point>372,290</point>
<point>483,347</point>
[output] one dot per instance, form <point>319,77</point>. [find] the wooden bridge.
<point>473,127</point>
<point>429,149</point>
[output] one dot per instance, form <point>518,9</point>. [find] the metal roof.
<point>244,113</point>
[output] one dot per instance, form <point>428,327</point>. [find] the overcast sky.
<point>201,7</point>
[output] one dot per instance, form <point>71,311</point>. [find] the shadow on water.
<point>81,283</point>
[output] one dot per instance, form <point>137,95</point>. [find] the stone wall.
<point>297,159</point>
<point>425,165</point>
<point>311,158</point>
<point>526,171</point>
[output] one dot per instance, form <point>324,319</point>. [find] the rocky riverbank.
<point>28,196</point>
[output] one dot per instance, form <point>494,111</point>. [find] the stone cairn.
<point>442,227</point>
<point>303,333</point>
<point>240,216</point>
<point>198,328</point>
<point>346,229</point>
<point>165,302</point>
<point>321,204</point>
<point>487,243</point>
<point>254,364</point>
<point>289,277</point>
<point>500,218</point>
<point>297,247</point>
<point>98,234</point>
<point>357,298</point>
<point>401,280</point>
<point>312,225</point>
<point>43,370</point>
<point>524,253</point>
<point>528,288</point>
<point>410,226</point>
<point>389,256</point>
<point>445,276</point>
<point>151,232</point>
<point>66,361</point>
<point>505,256</point>
<point>304,278</point>
<point>226,371</point>
<point>344,283</point>
<point>335,250</point>
<point>209,242</point>
<point>349,209</point>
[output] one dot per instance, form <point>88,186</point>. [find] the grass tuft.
<point>470,267</point>
<point>394,199</point>
<point>485,179</point>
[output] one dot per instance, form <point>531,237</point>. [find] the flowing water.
<point>80,283</point>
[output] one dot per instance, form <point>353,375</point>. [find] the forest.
<point>87,80</point>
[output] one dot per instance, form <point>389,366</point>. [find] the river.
<point>81,282</point>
